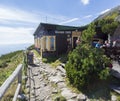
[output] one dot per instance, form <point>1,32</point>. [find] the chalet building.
<point>55,39</point>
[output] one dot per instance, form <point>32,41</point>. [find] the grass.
<point>55,61</point>
<point>36,53</point>
<point>75,90</point>
<point>14,61</point>
<point>58,97</point>
<point>14,58</point>
<point>10,92</point>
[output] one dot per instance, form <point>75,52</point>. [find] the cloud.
<point>85,2</point>
<point>18,26</point>
<point>12,14</point>
<point>88,16</point>
<point>17,16</point>
<point>71,20</point>
<point>104,11</point>
<point>10,35</point>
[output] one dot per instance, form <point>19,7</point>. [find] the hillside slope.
<point>112,13</point>
<point>8,64</point>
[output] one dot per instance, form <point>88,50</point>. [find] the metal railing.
<point>9,81</point>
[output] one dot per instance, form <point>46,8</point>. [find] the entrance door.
<point>74,42</point>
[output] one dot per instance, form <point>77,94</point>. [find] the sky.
<point>20,18</point>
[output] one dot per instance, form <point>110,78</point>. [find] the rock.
<point>45,84</point>
<point>33,92</point>
<point>55,91</point>
<point>56,79</point>
<point>24,77</point>
<point>87,99</point>
<point>63,74</point>
<point>48,98</point>
<point>81,97</point>
<point>27,86</point>
<point>36,74</point>
<point>68,94</point>
<point>113,98</point>
<point>22,97</point>
<point>71,100</point>
<point>61,85</point>
<point>59,98</point>
<point>61,69</point>
<point>54,73</point>
<point>63,65</point>
<point>36,87</point>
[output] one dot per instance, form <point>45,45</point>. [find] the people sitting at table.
<point>106,44</point>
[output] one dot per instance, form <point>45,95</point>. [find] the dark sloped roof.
<point>58,27</point>
<point>49,26</point>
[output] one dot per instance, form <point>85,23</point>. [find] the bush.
<point>85,65</point>
<point>3,64</point>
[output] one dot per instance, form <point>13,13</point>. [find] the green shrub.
<point>85,65</point>
<point>60,98</point>
<point>3,64</point>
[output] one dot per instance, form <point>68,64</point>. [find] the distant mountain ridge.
<point>115,12</point>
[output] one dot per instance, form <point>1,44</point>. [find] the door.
<point>74,42</point>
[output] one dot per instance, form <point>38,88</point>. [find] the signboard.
<point>63,32</point>
<point>60,32</point>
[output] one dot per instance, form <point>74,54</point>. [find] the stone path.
<point>116,66</point>
<point>116,72</point>
<point>116,69</point>
<point>46,83</point>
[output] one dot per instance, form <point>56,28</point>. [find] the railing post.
<point>20,80</point>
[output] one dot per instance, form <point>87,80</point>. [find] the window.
<point>52,45</point>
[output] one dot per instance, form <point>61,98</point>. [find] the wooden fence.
<point>9,81</point>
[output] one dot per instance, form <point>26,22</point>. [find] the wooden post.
<point>41,48</point>
<point>41,53</point>
<point>20,81</point>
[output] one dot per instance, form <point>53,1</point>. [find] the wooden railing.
<point>9,81</point>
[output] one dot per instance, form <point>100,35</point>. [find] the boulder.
<point>113,98</point>
<point>81,97</point>
<point>68,94</point>
<point>61,85</point>
<point>56,79</point>
<point>61,69</point>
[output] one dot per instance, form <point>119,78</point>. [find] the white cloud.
<point>104,11</point>
<point>85,2</point>
<point>71,20</point>
<point>17,26</point>
<point>8,14</point>
<point>10,35</point>
<point>88,16</point>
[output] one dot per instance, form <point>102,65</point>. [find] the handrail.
<point>10,79</point>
